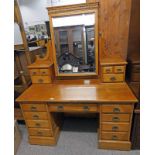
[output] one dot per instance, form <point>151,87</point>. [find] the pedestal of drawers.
<point>115,126</point>
<point>40,123</point>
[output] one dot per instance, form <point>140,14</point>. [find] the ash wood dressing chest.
<point>96,86</point>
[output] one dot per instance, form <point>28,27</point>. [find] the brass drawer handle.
<point>116,110</point>
<point>107,70</point>
<point>114,128</point>
<point>40,80</point>
<point>33,108</point>
<point>115,119</point>
<point>113,78</point>
<point>35,116</point>
<point>119,70</point>
<point>86,108</point>
<point>43,72</point>
<point>114,137</point>
<point>33,73</point>
<point>39,133</point>
<point>60,107</point>
<point>38,125</point>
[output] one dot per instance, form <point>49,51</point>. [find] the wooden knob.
<point>38,124</point>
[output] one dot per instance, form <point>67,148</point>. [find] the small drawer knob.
<point>113,78</point>
<point>35,116</point>
<point>107,70</point>
<point>114,137</point>
<point>60,107</point>
<point>86,108</point>
<point>116,110</point>
<point>114,128</point>
<point>115,119</point>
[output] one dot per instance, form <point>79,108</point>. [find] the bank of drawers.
<point>41,75</point>
<point>115,122</point>
<point>40,129</point>
<point>113,73</point>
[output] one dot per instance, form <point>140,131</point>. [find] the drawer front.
<point>73,108</point>
<point>115,117</point>
<point>38,123</point>
<point>40,132</point>
<point>44,71</point>
<point>119,69</point>
<point>114,135</point>
<point>41,79</point>
<point>33,107</point>
<point>35,115</point>
<point>108,69</point>
<point>136,68</point>
<point>34,72</point>
<point>117,108</point>
<point>113,77</point>
<point>115,126</point>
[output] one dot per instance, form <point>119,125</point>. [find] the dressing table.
<point>90,85</point>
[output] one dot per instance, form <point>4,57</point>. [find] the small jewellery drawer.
<point>39,132</point>
<point>115,117</point>
<point>44,72</point>
<point>119,69</point>
<point>34,72</point>
<point>108,126</point>
<point>41,79</point>
<point>114,135</point>
<point>35,115</point>
<point>113,77</point>
<point>113,108</point>
<point>108,69</point>
<point>73,108</point>
<point>33,107</point>
<point>38,123</point>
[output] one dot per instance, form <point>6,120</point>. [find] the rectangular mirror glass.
<point>75,43</point>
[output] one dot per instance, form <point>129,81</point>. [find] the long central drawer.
<point>73,107</point>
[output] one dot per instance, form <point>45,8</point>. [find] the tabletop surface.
<point>97,93</point>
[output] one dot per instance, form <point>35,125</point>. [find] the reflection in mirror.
<point>75,43</point>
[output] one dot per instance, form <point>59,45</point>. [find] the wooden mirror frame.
<point>67,10</point>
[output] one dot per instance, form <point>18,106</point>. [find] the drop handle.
<point>33,108</point>
<point>116,110</point>
<point>107,70</point>
<point>114,128</point>
<point>40,80</point>
<point>37,124</point>
<point>60,107</point>
<point>113,78</point>
<point>114,137</point>
<point>34,73</point>
<point>115,119</point>
<point>86,108</point>
<point>39,133</point>
<point>119,69</point>
<point>35,116</point>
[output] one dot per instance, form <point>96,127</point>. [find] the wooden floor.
<point>78,137</point>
